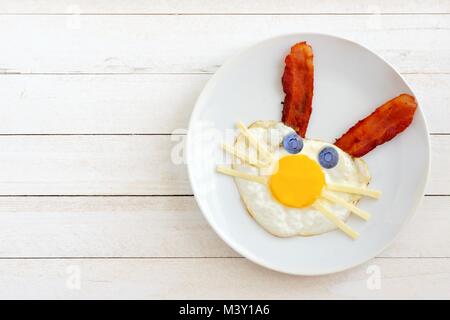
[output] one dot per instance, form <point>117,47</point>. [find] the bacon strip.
<point>298,85</point>
<point>382,125</point>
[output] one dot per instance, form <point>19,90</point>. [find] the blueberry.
<point>293,143</point>
<point>328,157</point>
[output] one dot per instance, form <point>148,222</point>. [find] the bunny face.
<point>290,187</point>
<point>309,187</point>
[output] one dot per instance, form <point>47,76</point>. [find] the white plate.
<point>350,81</point>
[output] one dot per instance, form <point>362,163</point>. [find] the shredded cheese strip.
<point>359,212</point>
<point>242,175</point>
<point>349,189</point>
<point>244,157</point>
<point>333,218</point>
<point>253,142</point>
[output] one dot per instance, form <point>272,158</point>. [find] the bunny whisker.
<point>338,222</point>
<point>334,199</point>
<point>354,190</point>
<point>238,174</point>
<point>258,145</point>
<point>244,157</point>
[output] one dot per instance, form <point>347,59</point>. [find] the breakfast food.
<point>294,186</point>
<point>382,125</point>
<point>283,201</point>
<point>298,85</point>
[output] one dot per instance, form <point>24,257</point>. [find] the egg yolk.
<point>298,182</point>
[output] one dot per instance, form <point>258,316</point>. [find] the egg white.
<point>283,221</point>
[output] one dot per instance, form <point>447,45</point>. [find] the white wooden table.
<point>90,204</point>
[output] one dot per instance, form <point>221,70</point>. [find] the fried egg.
<point>291,197</point>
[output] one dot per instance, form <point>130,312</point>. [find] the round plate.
<point>350,81</point>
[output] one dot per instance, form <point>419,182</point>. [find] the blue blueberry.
<point>293,143</point>
<point>328,157</point>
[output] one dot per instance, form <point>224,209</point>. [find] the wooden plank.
<point>162,227</point>
<point>143,103</point>
<point>174,43</point>
<point>108,104</point>
<point>439,180</point>
<point>426,230</point>
<point>221,7</point>
<point>125,165</point>
<point>106,227</point>
<point>90,165</point>
<point>433,92</point>
<point>146,103</point>
<point>198,279</point>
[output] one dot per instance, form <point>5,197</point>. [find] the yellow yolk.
<point>298,182</point>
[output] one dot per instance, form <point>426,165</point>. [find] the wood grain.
<point>164,227</point>
<point>90,165</point>
<point>125,165</point>
<point>153,43</point>
<point>143,103</point>
<point>439,182</point>
<point>217,279</point>
<point>221,7</point>
<point>98,104</point>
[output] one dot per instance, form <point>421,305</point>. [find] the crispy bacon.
<point>382,125</point>
<point>298,85</point>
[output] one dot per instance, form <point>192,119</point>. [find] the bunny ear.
<point>298,85</point>
<point>382,125</point>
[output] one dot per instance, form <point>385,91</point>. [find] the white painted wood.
<point>223,7</point>
<point>433,92</point>
<point>425,234</point>
<point>90,165</point>
<point>146,103</point>
<point>46,227</point>
<point>106,227</point>
<point>143,103</point>
<point>439,180</point>
<point>124,165</point>
<point>199,279</point>
<point>173,43</point>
